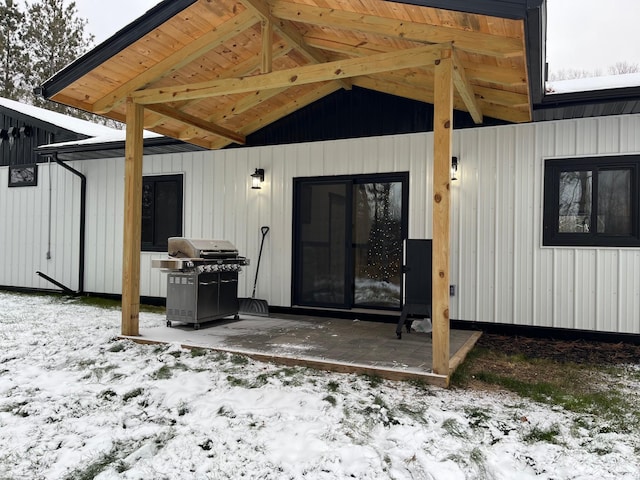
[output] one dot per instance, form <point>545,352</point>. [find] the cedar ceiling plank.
<point>198,123</point>
<point>508,77</point>
<point>465,89</point>
<point>515,114</point>
<point>290,33</point>
<point>478,42</point>
<point>352,48</point>
<point>413,57</point>
<point>71,101</point>
<point>502,97</point>
<point>196,141</point>
<point>177,60</point>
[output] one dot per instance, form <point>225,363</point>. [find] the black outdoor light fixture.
<point>454,168</point>
<point>257,178</point>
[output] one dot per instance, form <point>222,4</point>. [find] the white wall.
<point>502,272</point>
<point>36,220</point>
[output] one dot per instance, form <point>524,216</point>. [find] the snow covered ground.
<point>77,403</point>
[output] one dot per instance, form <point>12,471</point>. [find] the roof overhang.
<point>211,73</point>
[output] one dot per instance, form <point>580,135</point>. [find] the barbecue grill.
<point>202,280</point>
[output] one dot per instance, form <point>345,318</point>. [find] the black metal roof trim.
<point>512,9</point>
<point>115,149</point>
<point>133,32</point>
<point>590,97</point>
<point>594,103</point>
<point>536,49</point>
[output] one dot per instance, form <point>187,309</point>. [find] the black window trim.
<point>154,247</point>
<point>552,168</point>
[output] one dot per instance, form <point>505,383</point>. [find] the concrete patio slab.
<point>334,344</point>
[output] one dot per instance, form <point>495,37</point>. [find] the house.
<point>347,108</point>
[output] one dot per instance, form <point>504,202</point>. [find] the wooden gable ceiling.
<point>218,70</point>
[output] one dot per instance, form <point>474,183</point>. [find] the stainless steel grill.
<point>202,280</point>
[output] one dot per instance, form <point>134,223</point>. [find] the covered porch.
<point>325,343</point>
<point>215,73</point>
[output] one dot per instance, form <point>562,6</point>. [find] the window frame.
<point>155,245</point>
<point>553,167</point>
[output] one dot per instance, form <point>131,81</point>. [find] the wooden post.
<point>132,219</point>
<point>442,137</point>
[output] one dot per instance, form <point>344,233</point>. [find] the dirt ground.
<point>542,360</point>
<point>574,351</point>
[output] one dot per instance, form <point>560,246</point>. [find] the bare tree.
<point>622,68</point>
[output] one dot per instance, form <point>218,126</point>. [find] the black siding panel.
<point>355,113</point>
<point>22,150</point>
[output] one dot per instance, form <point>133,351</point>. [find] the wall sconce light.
<point>257,178</point>
<point>454,168</point>
<point>14,132</point>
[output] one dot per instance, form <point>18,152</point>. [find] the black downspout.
<point>83,215</point>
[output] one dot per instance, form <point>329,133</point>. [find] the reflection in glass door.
<point>348,236</point>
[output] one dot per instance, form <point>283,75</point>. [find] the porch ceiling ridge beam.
<point>353,67</point>
<point>477,42</point>
<point>290,33</point>
<point>177,60</point>
<point>245,68</point>
<point>198,123</point>
<point>465,89</point>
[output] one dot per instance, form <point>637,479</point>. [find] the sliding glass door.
<point>348,234</point>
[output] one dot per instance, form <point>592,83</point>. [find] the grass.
<point>580,388</point>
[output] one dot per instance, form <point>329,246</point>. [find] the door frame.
<point>298,209</point>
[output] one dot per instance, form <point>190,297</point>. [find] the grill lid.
<point>181,247</point>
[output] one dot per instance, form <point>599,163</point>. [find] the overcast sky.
<point>582,34</point>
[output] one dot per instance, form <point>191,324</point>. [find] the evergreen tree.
<point>55,36</point>
<point>13,58</point>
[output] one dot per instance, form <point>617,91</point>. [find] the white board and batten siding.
<point>502,272</point>
<point>37,220</point>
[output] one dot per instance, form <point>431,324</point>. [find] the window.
<point>592,202</point>
<point>161,211</point>
<point>23,175</point>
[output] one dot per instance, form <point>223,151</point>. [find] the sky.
<point>582,34</point>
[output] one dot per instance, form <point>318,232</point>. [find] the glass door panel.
<point>348,234</point>
<point>377,244</point>
<point>322,240</point>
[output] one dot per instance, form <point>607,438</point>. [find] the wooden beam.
<point>272,115</point>
<point>506,76</point>
<point>502,97</point>
<point>442,140</point>
<point>132,219</point>
<point>290,33</point>
<point>177,60</point>
<point>476,42</point>
<point>353,67</point>
<point>198,123</point>
<point>267,46</point>
<point>465,89</point>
